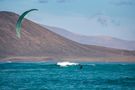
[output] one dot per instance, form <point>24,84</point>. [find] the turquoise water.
<point>49,76</point>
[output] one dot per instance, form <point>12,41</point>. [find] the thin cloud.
<point>43,1</point>
<point>57,1</point>
<point>123,2</point>
<point>62,1</point>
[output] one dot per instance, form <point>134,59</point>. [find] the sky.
<point>114,18</point>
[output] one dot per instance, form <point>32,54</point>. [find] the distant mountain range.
<point>106,41</point>
<point>38,41</point>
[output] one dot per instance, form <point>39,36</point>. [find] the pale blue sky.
<point>88,17</point>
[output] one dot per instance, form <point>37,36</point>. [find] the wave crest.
<point>65,64</point>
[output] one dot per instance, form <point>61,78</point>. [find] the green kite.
<point>19,22</point>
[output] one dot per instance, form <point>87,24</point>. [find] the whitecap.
<point>65,64</point>
<point>92,64</point>
<point>9,61</point>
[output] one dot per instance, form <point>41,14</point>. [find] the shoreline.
<point>71,59</point>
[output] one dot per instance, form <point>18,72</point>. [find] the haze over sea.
<point>50,76</point>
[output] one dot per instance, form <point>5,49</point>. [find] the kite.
<point>19,22</point>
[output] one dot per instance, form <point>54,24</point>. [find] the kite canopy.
<point>19,22</point>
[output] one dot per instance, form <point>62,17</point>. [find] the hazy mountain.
<point>39,41</point>
<point>105,41</point>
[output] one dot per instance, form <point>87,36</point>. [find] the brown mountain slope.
<point>39,41</point>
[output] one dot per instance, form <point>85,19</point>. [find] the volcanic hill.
<point>38,41</point>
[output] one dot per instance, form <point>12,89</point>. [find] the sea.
<point>81,76</point>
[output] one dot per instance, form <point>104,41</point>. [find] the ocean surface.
<point>50,76</point>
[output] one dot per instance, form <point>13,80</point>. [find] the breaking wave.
<point>65,64</point>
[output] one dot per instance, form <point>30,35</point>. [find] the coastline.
<point>72,59</point>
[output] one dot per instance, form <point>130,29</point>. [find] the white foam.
<point>9,61</point>
<point>65,64</point>
<point>93,64</point>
